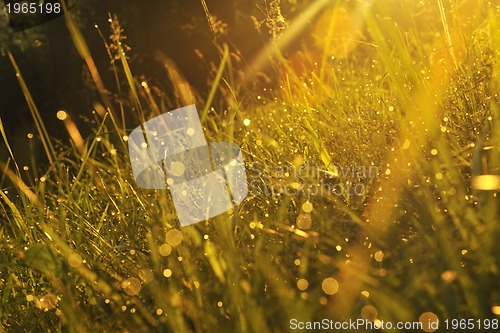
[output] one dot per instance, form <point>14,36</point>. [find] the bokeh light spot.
<point>131,286</point>
<point>174,237</point>
<point>330,286</point>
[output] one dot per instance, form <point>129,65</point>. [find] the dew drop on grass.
<point>379,256</point>
<point>47,302</point>
<point>62,115</point>
<point>167,273</point>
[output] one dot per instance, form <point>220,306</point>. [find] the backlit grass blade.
<point>84,52</point>
<point>215,85</point>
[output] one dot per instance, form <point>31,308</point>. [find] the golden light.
<point>486,182</point>
<point>288,36</point>
<point>167,273</point>
<point>496,310</point>
<point>47,302</point>
<point>62,115</point>
<point>379,256</point>
<point>449,276</point>
<point>339,31</point>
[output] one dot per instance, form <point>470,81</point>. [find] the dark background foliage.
<point>58,77</point>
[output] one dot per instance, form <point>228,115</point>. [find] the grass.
<point>84,249</point>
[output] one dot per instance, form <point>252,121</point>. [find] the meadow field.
<point>370,132</point>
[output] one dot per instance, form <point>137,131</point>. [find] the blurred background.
<point>58,77</point>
